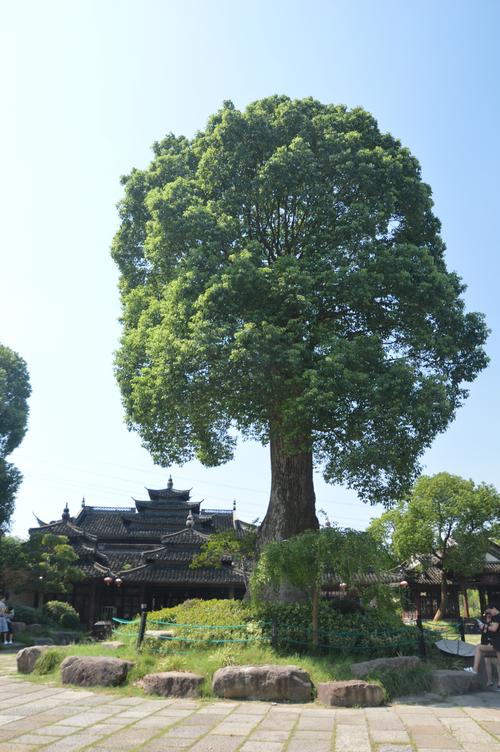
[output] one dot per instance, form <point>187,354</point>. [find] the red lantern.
<point>403,583</point>
<point>108,580</point>
<point>343,585</point>
<point>118,582</point>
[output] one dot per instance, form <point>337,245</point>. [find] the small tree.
<point>446,518</point>
<point>14,392</point>
<point>52,564</point>
<point>228,548</point>
<point>13,564</point>
<point>309,560</point>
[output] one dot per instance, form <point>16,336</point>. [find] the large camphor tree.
<point>283,276</point>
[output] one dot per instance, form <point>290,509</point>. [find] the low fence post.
<point>461,629</point>
<point>421,638</point>
<point>274,634</point>
<point>142,624</point>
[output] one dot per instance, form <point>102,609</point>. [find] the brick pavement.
<point>46,717</point>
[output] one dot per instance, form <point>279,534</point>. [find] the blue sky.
<point>87,87</point>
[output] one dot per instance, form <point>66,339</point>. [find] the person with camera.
<point>489,647</point>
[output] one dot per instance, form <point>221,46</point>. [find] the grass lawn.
<point>206,662</point>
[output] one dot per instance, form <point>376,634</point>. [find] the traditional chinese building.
<point>142,554</point>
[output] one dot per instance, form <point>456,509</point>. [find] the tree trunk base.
<point>292,503</point>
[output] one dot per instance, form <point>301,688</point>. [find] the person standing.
<point>490,640</point>
<point>4,627</point>
<point>9,616</point>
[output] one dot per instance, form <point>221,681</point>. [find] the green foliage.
<point>13,564</point>
<point>52,562</point>
<point>14,393</point>
<point>48,661</point>
<point>230,548</point>
<point>30,615</point>
<point>62,613</point>
<point>232,619</point>
<point>315,558</point>
<point>411,681</point>
<point>446,520</point>
<point>370,634</point>
<point>282,272</point>
<point>446,517</point>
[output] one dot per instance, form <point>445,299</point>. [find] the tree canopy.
<point>283,276</point>
<point>14,393</point>
<point>52,564</point>
<point>448,521</point>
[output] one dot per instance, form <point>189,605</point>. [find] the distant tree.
<point>309,560</point>
<point>282,274</point>
<point>13,564</point>
<point>447,520</point>
<point>52,564</point>
<point>14,392</point>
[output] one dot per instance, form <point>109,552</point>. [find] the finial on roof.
<point>190,520</point>
<point>65,514</point>
<point>170,483</point>
<point>83,501</point>
<point>234,505</point>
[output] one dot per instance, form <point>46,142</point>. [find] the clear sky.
<point>87,86</point>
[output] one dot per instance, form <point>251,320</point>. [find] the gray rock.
<point>275,683</point>
<point>35,629</point>
<point>19,626</point>
<point>403,663</point>
<point>172,684</point>
<point>452,682</point>
<point>27,657</point>
<point>91,671</point>
<point>45,641</point>
<point>347,694</point>
<point>112,644</point>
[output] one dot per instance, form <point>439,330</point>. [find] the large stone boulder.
<point>452,682</point>
<point>91,671</point>
<point>347,694</point>
<point>27,657</point>
<point>275,683</point>
<point>172,684</point>
<point>401,663</point>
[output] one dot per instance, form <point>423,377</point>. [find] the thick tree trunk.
<point>292,503</point>
<point>441,612</point>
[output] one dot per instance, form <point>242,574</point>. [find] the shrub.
<point>288,627</point>
<point>48,661</point>
<point>30,615</point>
<point>206,623</point>
<point>63,614</point>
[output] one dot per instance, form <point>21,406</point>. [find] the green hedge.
<point>288,627</point>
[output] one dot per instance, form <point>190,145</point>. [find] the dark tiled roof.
<point>62,527</point>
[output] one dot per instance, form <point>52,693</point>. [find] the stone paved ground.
<point>37,716</point>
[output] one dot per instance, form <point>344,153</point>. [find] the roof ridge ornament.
<point>170,483</point>
<point>190,520</point>
<point>65,514</point>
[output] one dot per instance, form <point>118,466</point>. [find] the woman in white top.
<point>4,627</point>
